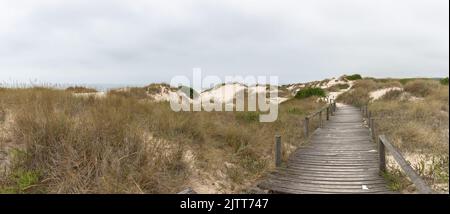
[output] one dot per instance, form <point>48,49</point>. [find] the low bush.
<point>309,92</point>
<point>354,77</point>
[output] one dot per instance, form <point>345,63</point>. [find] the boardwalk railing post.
<point>320,119</point>
<point>382,155</point>
<point>277,150</point>
<point>328,112</point>
<point>306,126</point>
<point>332,108</point>
<point>372,128</point>
<point>420,184</point>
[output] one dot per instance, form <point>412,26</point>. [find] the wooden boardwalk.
<point>339,158</point>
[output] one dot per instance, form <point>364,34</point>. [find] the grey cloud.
<point>151,41</point>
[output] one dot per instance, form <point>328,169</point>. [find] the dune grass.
<point>124,143</point>
<point>418,127</point>
<point>81,89</point>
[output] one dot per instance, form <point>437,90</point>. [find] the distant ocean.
<point>106,87</point>
<point>98,86</point>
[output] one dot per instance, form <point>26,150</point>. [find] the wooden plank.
<point>282,190</point>
<point>341,183</point>
<point>326,188</point>
<point>334,164</point>
<point>355,177</point>
<point>340,157</point>
<point>332,174</point>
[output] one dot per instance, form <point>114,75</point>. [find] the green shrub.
<point>444,81</point>
<point>354,77</point>
<point>309,92</point>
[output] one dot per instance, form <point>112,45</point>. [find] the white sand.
<point>94,94</point>
<point>375,95</point>
<point>335,94</point>
<point>223,94</point>
<point>165,94</point>
<point>256,89</point>
<point>333,82</point>
<point>279,100</point>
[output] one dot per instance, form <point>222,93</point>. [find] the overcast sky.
<point>138,42</point>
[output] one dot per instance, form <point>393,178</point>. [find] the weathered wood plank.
<point>339,158</point>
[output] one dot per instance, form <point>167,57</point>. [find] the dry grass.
<point>123,143</point>
<point>89,145</point>
<point>359,94</point>
<point>414,126</point>
<point>130,92</point>
<point>81,89</point>
<point>422,88</point>
<point>338,87</point>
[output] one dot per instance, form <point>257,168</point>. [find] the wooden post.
<point>320,119</point>
<point>306,126</point>
<point>420,184</point>
<point>374,133</point>
<point>277,150</point>
<point>382,155</point>
<point>332,108</point>
<point>328,112</point>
